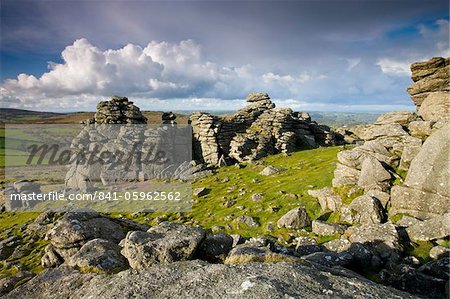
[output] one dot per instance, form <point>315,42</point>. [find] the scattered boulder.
<point>200,191</point>
<point>247,220</point>
<point>166,243</point>
<point>295,218</point>
<point>420,128</point>
<point>270,170</point>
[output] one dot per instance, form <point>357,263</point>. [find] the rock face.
<point>197,279</point>
<point>254,132</point>
<point>426,190</point>
<point>430,91</point>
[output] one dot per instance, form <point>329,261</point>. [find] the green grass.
<point>304,170</point>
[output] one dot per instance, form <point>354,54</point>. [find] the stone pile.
<point>254,132</point>
<point>119,110</point>
<point>138,143</point>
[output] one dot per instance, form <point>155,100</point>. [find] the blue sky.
<point>352,55</point>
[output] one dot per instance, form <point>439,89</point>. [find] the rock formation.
<point>431,89</point>
<point>393,146</point>
<point>254,132</point>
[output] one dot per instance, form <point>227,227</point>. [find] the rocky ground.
<point>385,217</point>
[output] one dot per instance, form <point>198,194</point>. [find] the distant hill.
<point>18,115</point>
<point>333,119</point>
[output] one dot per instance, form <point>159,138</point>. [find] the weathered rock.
<point>74,229</point>
<point>322,228</point>
<point>215,248</point>
<point>436,106</point>
<point>168,242</point>
<point>295,218</point>
<point>270,170</point>
<point>118,110</point>
<point>51,258</point>
<point>397,117</point>
<point>247,220</point>
<point>306,245</point>
<point>200,191</point>
<point>438,252</point>
<point>198,279</point>
<point>374,175</point>
<point>409,279</point>
<point>330,259</point>
<point>435,228</point>
<point>420,70</point>
<point>255,131</point>
<point>407,221</point>
<point>247,253</point>
<point>328,200</point>
<point>383,237</point>
<point>7,284</point>
<point>99,255</point>
<point>408,154</point>
<point>368,210</point>
<point>420,128</point>
<point>438,268</point>
<point>344,175</point>
<point>426,190</point>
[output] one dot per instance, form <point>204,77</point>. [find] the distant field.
<point>14,116</point>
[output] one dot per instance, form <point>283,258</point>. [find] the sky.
<point>323,55</point>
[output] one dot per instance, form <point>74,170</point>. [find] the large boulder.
<point>436,106</point>
<point>168,242</point>
<point>295,218</point>
<point>76,228</point>
<point>426,190</point>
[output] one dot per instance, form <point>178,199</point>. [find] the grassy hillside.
<point>281,192</point>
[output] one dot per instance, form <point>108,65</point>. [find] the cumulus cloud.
<point>161,70</point>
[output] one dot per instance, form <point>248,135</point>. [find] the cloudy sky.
<point>335,55</point>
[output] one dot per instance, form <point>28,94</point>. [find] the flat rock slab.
<point>197,279</point>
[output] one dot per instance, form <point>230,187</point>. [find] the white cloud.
<point>435,38</point>
<point>394,67</point>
